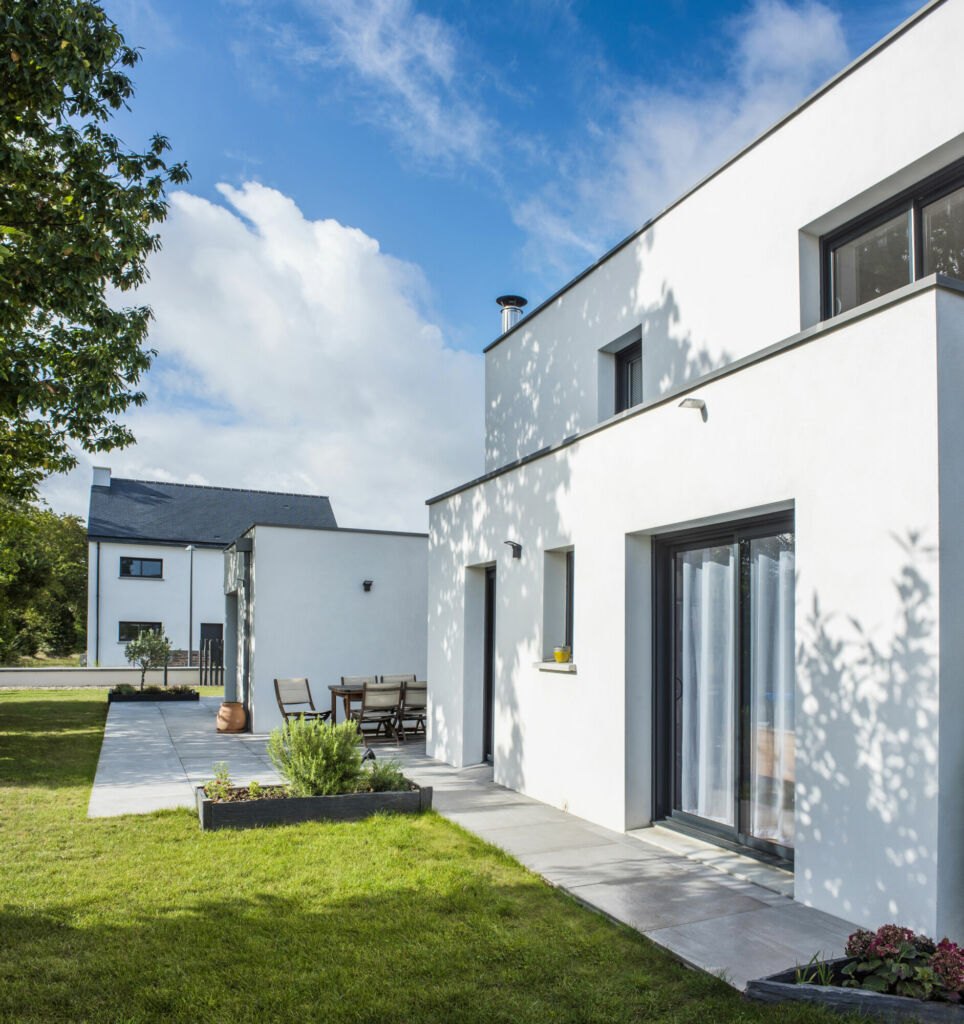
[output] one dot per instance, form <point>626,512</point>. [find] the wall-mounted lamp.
<point>366,585</point>
<point>695,403</point>
<point>516,548</point>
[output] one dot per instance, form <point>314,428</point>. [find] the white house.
<point>731,453</point>
<point>321,603</point>
<point>156,558</point>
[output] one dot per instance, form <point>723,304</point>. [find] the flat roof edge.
<point>331,529</point>
<point>845,72</point>
<point>933,282</point>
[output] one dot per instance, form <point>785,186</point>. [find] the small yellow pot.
<point>562,654</point>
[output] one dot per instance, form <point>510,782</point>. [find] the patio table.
<point>348,692</point>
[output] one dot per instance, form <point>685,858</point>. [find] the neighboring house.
<point>320,603</point>
<point>731,451</point>
<point>156,557</point>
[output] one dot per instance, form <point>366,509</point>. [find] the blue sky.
<point>418,159</point>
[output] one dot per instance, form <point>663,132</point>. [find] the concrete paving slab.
<point>711,908</point>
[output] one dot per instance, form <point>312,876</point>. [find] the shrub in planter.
<point>149,650</point>
<point>124,688</point>
<point>317,758</point>
<point>897,961</point>
<point>385,777</point>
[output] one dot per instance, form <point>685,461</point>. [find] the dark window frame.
<point>624,357</point>
<point>143,627</point>
<point>570,587</point>
<point>911,200</point>
<point>130,559</point>
<point>665,548</point>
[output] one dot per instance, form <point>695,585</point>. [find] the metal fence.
<point>212,663</point>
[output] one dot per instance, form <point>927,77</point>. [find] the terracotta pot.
<point>232,717</point>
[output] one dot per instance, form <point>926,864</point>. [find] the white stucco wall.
<point>734,266</point>
<point>150,600</point>
<point>842,428</point>
<point>312,618</point>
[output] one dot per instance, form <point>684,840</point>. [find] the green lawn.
<point>143,918</point>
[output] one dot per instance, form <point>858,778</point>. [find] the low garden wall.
<point>75,678</point>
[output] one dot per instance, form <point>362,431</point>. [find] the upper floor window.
<point>629,376</point>
<point>142,568</point>
<point>127,631</point>
<point>920,232</point>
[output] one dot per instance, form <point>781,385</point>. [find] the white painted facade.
<point>854,425</point>
<point>296,606</point>
<point>112,598</point>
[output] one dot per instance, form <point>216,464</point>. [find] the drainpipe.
<point>97,610</point>
<point>190,609</point>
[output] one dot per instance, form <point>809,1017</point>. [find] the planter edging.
<point>135,698</point>
<point>782,988</point>
<point>292,810</point>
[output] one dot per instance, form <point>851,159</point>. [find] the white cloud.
<point>650,143</point>
<point>295,355</point>
<point>406,62</point>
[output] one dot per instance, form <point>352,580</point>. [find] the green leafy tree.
<point>77,212</point>
<point>149,650</point>
<point>43,583</point>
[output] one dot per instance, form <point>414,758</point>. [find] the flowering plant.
<point>898,961</point>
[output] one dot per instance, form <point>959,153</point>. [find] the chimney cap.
<point>516,301</point>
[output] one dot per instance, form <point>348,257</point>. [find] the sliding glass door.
<point>725,657</point>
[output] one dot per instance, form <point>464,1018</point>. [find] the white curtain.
<point>771,689</point>
<point>706,667</point>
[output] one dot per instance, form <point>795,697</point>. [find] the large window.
<point>142,568</point>
<point>629,376</point>
<point>725,701</point>
<point>919,232</point>
<point>128,631</point>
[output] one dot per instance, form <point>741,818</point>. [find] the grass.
<point>47,661</point>
<point>144,918</point>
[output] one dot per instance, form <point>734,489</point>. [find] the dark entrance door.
<point>725,698</point>
<point>488,665</point>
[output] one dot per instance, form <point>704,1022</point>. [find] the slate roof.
<point>148,510</point>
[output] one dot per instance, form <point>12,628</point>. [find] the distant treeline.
<point>43,583</point>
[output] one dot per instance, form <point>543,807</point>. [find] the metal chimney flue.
<point>511,310</point>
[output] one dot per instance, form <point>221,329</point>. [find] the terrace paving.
<point>717,911</point>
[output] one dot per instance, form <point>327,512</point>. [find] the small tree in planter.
<point>149,650</point>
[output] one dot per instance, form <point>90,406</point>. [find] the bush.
<point>386,777</point>
<point>181,688</point>
<point>317,758</point>
<point>219,787</point>
<point>124,688</point>
<point>898,961</point>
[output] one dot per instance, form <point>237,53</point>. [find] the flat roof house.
<point>728,457</point>
<point>156,557</point>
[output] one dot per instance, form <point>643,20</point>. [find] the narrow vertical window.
<point>569,596</point>
<point>629,376</point>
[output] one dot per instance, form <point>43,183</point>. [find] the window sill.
<point>567,667</point>
<point>154,579</point>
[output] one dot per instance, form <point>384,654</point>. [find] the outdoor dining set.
<point>382,706</point>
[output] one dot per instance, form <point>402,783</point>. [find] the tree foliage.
<point>43,584</point>
<point>77,212</point>
<point>149,650</point>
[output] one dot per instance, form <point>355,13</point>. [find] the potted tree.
<point>150,650</point>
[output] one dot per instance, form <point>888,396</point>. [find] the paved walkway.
<point>684,897</point>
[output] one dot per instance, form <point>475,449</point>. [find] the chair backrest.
<point>416,695</point>
<point>407,678</point>
<point>358,680</point>
<point>293,694</point>
<point>381,696</point>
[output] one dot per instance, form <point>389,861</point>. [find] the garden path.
<point>714,910</point>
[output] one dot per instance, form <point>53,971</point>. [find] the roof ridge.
<point>216,487</point>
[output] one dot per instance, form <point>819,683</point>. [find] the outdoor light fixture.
<point>366,585</point>
<point>516,548</point>
<point>694,403</point>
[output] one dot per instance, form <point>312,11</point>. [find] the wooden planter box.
<point>135,698</point>
<point>782,988</point>
<point>290,810</point>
